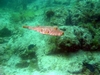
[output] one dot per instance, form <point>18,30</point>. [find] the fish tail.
<point>25,26</point>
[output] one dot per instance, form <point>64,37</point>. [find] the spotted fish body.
<point>46,30</point>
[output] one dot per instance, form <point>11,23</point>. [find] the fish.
<point>50,30</point>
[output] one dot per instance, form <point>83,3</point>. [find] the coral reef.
<point>58,16</point>
<point>74,38</point>
<point>81,13</point>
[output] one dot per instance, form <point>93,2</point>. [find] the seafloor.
<point>27,52</point>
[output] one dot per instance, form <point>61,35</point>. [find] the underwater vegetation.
<point>87,69</point>
<point>92,69</point>
<point>84,14</point>
<point>79,13</point>
<point>31,46</point>
<point>15,5</point>
<point>68,20</point>
<point>22,16</point>
<point>5,53</point>
<point>90,12</point>
<point>28,58</point>
<point>89,66</point>
<point>5,32</point>
<point>22,64</point>
<point>2,72</point>
<point>81,28</point>
<point>56,16</point>
<point>29,53</point>
<point>95,32</point>
<point>49,14</point>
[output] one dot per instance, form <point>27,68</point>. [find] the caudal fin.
<point>25,27</point>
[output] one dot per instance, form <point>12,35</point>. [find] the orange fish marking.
<point>50,30</point>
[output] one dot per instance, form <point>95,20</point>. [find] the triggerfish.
<point>50,30</point>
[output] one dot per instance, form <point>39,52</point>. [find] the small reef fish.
<point>50,30</point>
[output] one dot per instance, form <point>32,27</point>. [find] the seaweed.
<point>22,16</point>
<point>89,66</point>
<point>5,32</point>
<point>31,46</point>
<point>23,64</point>
<point>29,53</point>
<point>50,13</point>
